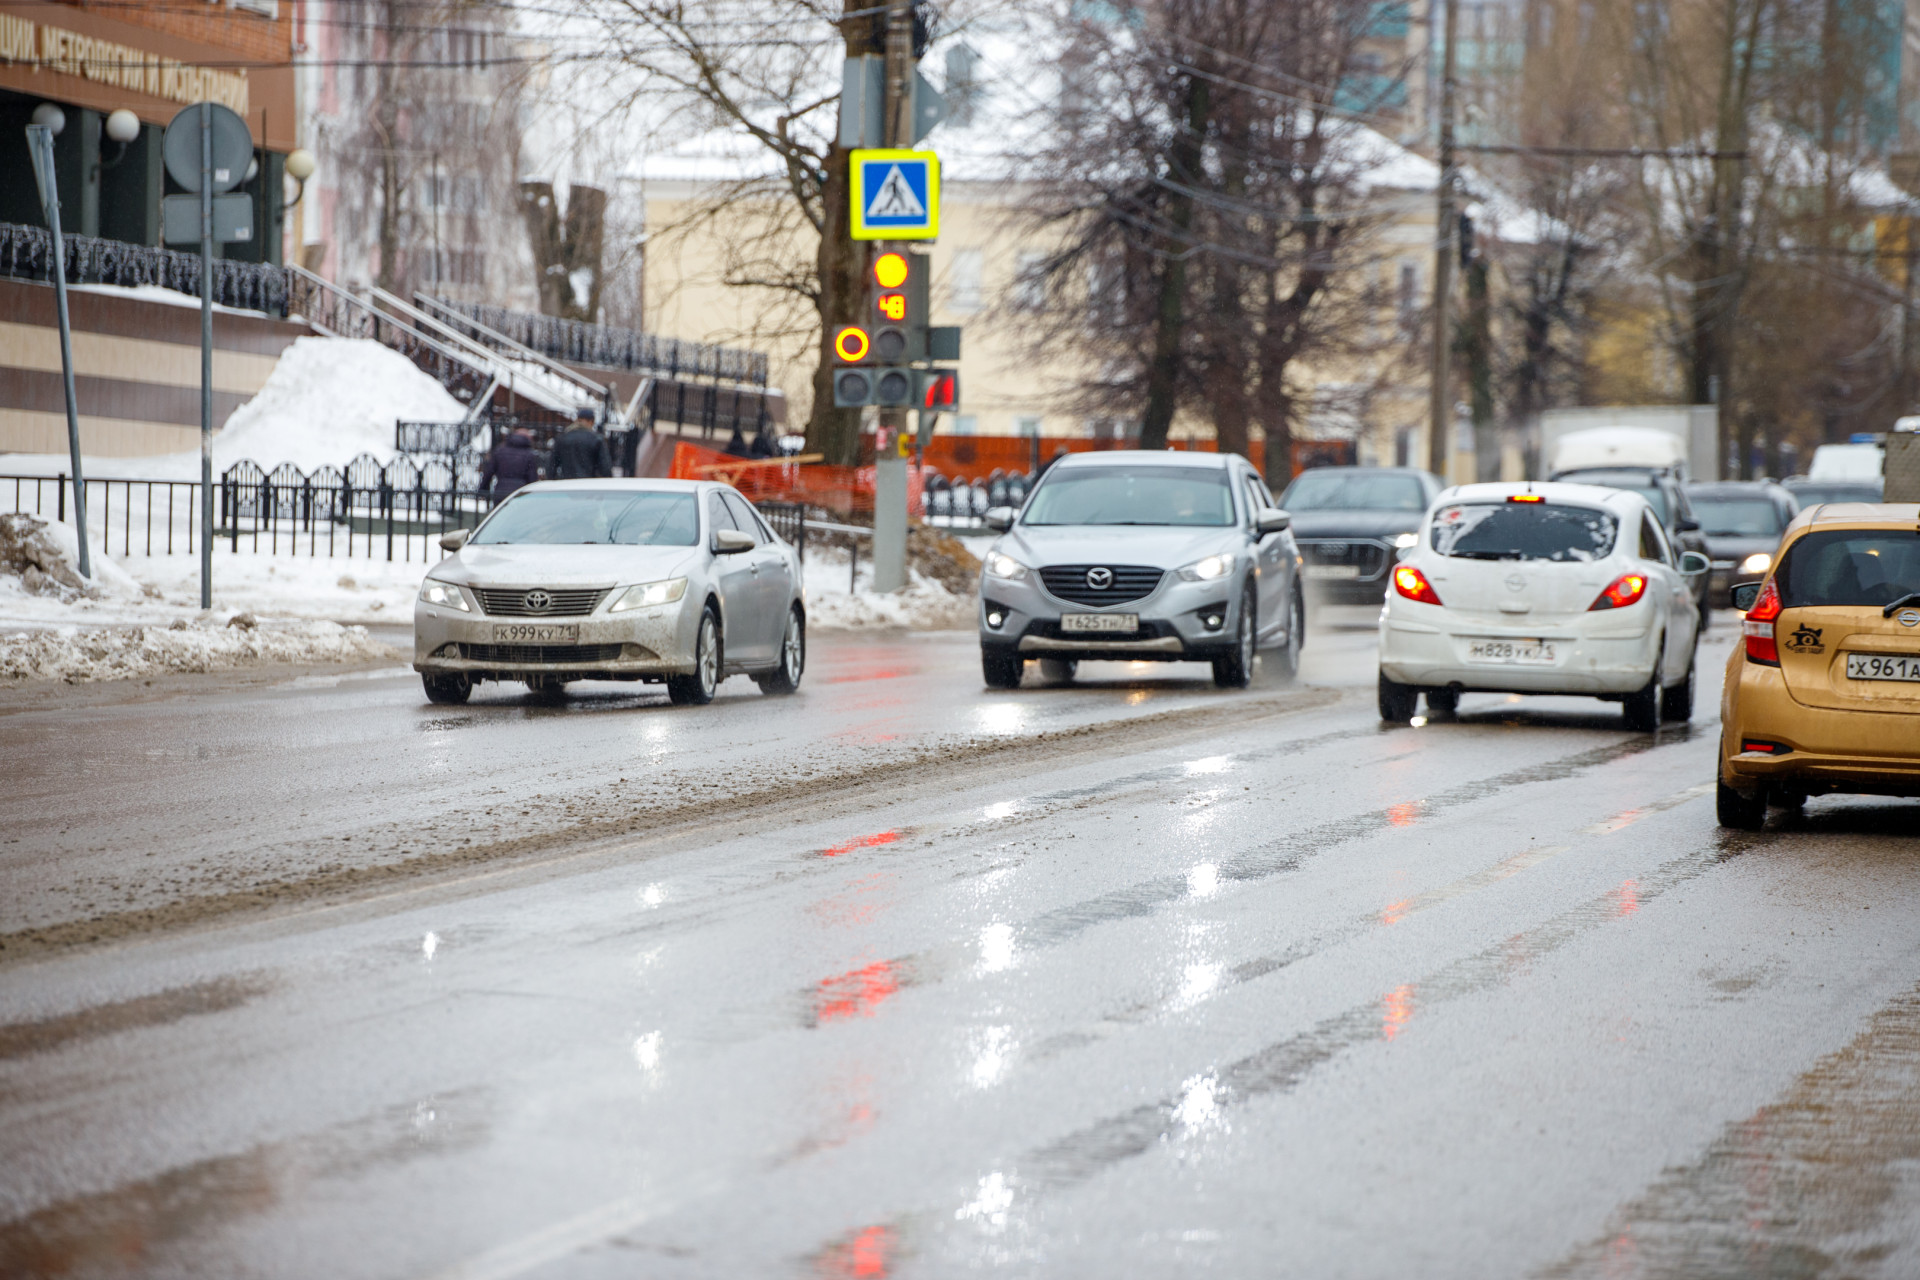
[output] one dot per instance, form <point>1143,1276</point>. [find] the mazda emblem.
<point>1909,618</point>
<point>537,601</point>
<point>1099,578</point>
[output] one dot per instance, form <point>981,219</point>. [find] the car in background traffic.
<point>1135,554</point>
<point>1742,521</point>
<point>1810,493</point>
<point>1823,693</point>
<point>1351,523</point>
<point>1663,491</point>
<point>673,581</point>
<point>1542,588</point>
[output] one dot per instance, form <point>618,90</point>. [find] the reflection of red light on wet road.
<point>1397,1007</point>
<point>1395,910</point>
<point>1403,815</point>
<point>861,842</point>
<point>1626,899</point>
<point>865,1255</point>
<point>856,994</point>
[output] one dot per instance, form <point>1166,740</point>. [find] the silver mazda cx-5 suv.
<point>1128,555</point>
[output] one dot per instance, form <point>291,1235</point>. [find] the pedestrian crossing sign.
<point>896,195</point>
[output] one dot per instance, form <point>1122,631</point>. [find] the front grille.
<point>1370,558</point>
<point>525,653</point>
<point>1130,582</point>
<point>565,602</point>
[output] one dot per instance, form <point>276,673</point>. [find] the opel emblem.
<point>1099,577</point>
<point>537,601</point>
<point>1909,618</point>
<point>1515,582</point>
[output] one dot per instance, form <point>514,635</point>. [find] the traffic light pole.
<point>890,469</point>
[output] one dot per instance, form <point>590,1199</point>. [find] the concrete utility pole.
<point>40,142</point>
<point>1440,390</point>
<point>890,469</point>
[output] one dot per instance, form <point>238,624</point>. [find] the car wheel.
<point>697,689</point>
<point>1443,700</point>
<point>1676,701</point>
<point>449,691</point>
<point>1235,670</point>
<point>1738,811</point>
<point>1287,658</point>
<point>1642,706</point>
<point>1001,671</point>
<point>1058,670</point>
<point>1396,700</point>
<point>785,678</point>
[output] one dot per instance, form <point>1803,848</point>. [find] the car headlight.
<point>444,594</point>
<point>1207,570</point>
<point>1758,562</point>
<point>639,596</point>
<point>1405,540</point>
<point>1001,565</point>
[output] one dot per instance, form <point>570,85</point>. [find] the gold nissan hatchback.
<point>1824,693</point>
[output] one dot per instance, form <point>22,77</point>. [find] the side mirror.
<point>1689,525</point>
<point>731,542</point>
<point>1693,564</point>
<point>999,519</point>
<point>1272,520</point>
<point>1745,594</point>
<point>455,540</point>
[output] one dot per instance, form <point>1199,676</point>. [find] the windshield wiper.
<point>1912,597</point>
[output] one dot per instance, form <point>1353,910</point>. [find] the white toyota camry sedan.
<point>1542,588</point>
<point>674,581</point>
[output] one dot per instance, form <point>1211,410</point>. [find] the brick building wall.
<point>253,35</point>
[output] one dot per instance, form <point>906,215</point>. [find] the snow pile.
<point>40,561</point>
<point>75,654</point>
<point>924,606</point>
<point>327,401</point>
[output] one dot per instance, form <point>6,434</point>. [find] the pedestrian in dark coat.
<point>514,465</point>
<point>582,453</point>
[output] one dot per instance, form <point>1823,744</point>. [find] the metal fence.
<point>27,253</point>
<point>614,348</point>
<point>393,512</point>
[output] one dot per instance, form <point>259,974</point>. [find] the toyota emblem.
<point>537,601</point>
<point>1099,577</point>
<point>1909,618</point>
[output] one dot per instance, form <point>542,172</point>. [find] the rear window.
<point>1333,489</point>
<point>1850,567</point>
<point>1523,531</point>
<point>1738,517</point>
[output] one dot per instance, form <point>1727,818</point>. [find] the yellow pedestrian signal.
<point>890,270</point>
<point>851,344</point>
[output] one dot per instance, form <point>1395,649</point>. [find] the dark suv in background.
<point>1351,523</point>
<point>1742,521</point>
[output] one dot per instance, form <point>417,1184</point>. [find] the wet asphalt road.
<point>904,978</point>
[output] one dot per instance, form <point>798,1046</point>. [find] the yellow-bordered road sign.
<point>896,195</point>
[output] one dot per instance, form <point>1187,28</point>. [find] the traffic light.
<point>938,391</point>
<point>856,387</point>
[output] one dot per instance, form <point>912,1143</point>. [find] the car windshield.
<point>1850,567</point>
<point>1738,517</point>
<point>1808,495</point>
<point>1522,531</point>
<point>1339,489</point>
<point>626,518</point>
<point>1132,495</point>
<point>1632,481</point>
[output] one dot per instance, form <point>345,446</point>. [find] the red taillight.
<point>1413,584</point>
<point>1623,591</point>
<point>1758,626</point>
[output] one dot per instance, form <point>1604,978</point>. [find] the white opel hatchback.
<point>1542,588</point>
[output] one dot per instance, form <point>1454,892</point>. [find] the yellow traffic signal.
<point>890,270</point>
<point>852,344</point>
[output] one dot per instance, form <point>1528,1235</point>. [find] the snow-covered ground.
<point>924,606</point>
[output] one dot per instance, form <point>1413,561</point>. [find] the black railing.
<point>613,348</point>
<point>27,253</point>
<point>390,511</point>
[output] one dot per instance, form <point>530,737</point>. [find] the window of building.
<point>966,292</point>
<point>1029,280</point>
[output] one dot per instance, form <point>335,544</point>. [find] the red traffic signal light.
<point>939,390</point>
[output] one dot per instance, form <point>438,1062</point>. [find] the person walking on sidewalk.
<point>514,465</point>
<point>582,453</point>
